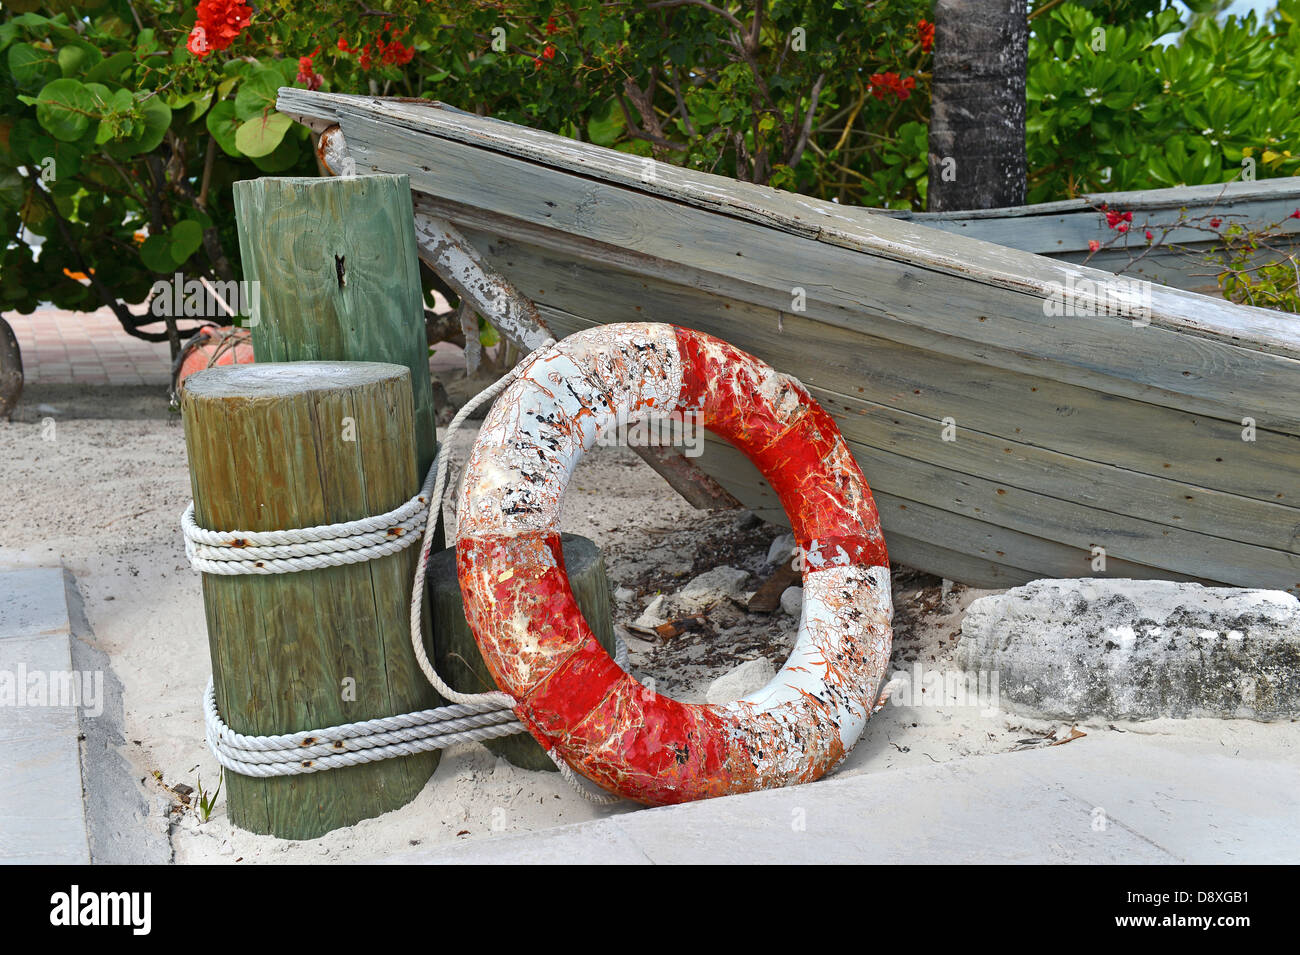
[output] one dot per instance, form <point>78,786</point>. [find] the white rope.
<point>305,548</point>
<point>351,744</point>
<point>471,717</point>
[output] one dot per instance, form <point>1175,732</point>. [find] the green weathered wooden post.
<point>281,446</point>
<point>338,278</point>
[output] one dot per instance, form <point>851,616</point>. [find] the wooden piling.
<point>457,656</point>
<point>278,446</point>
<point>338,278</point>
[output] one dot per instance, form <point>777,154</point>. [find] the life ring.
<point>571,695</point>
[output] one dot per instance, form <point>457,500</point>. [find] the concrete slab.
<point>32,602</point>
<point>42,815</point>
<point>1106,798</point>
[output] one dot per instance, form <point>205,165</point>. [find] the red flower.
<point>925,33</point>
<point>1149,235</point>
<point>882,83</point>
<point>1122,227</point>
<point>1294,215</point>
<point>1093,245</point>
<point>1113,219</point>
<point>1215,223</point>
<point>394,52</point>
<point>549,52</point>
<point>217,24</point>
<point>307,74</point>
<point>343,44</point>
<point>537,62</point>
<point>364,60</point>
<point>550,26</point>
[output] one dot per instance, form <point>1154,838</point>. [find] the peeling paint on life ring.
<point>571,695</point>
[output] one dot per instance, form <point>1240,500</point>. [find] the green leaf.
<point>184,240</point>
<point>12,189</point>
<point>222,123</point>
<point>257,94</point>
<point>261,135</point>
<point>605,129</point>
<point>110,68</point>
<point>156,255</point>
<point>66,109</point>
<point>31,67</point>
<point>156,117</point>
<point>285,156</point>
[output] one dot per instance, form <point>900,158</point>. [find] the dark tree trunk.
<point>11,370</point>
<point>977,122</point>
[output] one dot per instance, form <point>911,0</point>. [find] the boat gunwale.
<point>853,228</point>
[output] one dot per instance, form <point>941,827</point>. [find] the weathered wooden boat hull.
<point>1003,441</point>
<point>1183,256</point>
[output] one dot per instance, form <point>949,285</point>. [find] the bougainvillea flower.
<point>307,74</point>
<point>882,83</point>
<point>925,33</point>
<point>218,23</point>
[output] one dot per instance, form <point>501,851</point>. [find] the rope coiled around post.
<point>471,717</point>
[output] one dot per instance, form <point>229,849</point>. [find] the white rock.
<point>1137,649</point>
<point>623,595</point>
<point>709,588</point>
<point>792,600</point>
<point>745,679</point>
<point>781,549</point>
<point>653,614</point>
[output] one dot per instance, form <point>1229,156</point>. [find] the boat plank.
<point>411,130</point>
<point>1125,493</point>
<point>891,299</point>
<point>1031,413</point>
<point>1071,232</point>
<point>972,551</point>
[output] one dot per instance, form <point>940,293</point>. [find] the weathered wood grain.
<point>916,306</point>
<point>383,126</point>
<point>275,446</point>
<point>942,542</point>
<point>1092,425</point>
<point>338,277</point>
<point>1140,458</point>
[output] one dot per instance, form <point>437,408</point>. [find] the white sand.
<point>103,498</point>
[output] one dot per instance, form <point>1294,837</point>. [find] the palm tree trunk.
<point>11,370</point>
<point>977,123</point>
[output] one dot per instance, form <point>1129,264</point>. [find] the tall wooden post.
<point>338,278</point>
<point>278,446</point>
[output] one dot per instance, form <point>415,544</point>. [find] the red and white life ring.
<point>571,695</point>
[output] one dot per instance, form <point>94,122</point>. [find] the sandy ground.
<point>96,479</point>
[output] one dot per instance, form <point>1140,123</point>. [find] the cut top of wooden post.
<point>338,278</point>
<point>278,412</point>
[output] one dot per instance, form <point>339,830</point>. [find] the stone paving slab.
<point>42,816</point>
<point>1107,798</point>
<point>61,347</point>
